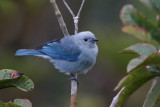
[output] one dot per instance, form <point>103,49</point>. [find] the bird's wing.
<point>61,50</point>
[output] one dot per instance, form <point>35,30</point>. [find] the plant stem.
<point>74,83</point>
<point>60,18</point>
<point>65,32</point>
<point>73,93</point>
<point>76,20</point>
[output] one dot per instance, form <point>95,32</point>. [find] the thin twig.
<point>60,18</point>
<point>155,81</point>
<point>80,9</point>
<point>75,18</point>
<point>67,6</point>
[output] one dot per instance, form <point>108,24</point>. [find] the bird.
<point>70,54</point>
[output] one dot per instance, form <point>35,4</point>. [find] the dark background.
<point>30,23</point>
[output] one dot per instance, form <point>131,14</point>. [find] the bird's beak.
<point>95,40</point>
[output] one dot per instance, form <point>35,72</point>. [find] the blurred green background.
<point>31,23</point>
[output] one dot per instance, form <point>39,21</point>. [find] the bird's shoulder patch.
<point>48,43</point>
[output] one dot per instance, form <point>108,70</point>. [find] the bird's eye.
<point>85,40</point>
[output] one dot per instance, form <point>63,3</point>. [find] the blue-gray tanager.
<point>71,54</point>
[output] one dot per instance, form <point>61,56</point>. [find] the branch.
<point>76,20</point>
<point>75,17</point>
<point>65,32</point>
<point>80,9</point>
<point>70,10</point>
<point>60,18</point>
<point>73,93</point>
<point>152,87</point>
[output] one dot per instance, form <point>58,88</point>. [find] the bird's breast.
<point>89,55</point>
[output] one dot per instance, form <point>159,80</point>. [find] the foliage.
<point>17,103</point>
<point>12,78</point>
<point>146,65</point>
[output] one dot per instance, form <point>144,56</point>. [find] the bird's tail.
<point>22,52</point>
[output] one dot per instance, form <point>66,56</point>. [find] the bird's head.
<point>86,39</point>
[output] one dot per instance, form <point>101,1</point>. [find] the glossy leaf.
<point>153,97</point>
<point>139,33</point>
<point>135,63</point>
<point>130,16</point>
<point>153,4</point>
<point>126,16</point>
<point>12,78</point>
<point>131,83</point>
<point>23,102</point>
<point>135,76</point>
<point>153,59</point>
<point>17,103</point>
<point>147,3</point>
<point>141,49</point>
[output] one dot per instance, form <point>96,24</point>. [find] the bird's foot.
<point>74,78</point>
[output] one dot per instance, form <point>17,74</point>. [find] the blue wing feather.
<point>58,50</point>
<point>55,49</point>
<point>22,52</point>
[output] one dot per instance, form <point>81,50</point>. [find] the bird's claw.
<point>74,78</point>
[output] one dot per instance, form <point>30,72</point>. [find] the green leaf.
<point>140,33</point>
<point>12,78</point>
<point>11,105</point>
<point>23,102</point>
<point>125,15</point>
<point>147,3</point>
<point>17,103</point>
<point>8,104</point>
<point>153,4</point>
<point>153,59</point>
<point>156,4</point>
<point>140,49</point>
<point>24,83</point>
<point>137,75</point>
<point>135,63</point>
<point>153,97</point>
<point>130,84</point>
<point>130,16</point>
